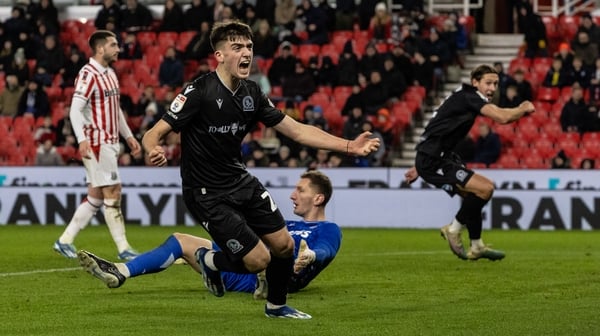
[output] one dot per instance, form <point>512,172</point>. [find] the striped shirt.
<point>99,88</point>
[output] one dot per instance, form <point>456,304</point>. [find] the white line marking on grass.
<point>52,270</point>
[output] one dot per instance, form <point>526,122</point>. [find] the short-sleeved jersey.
<point>99,88</point>
<point>212,121</point>
<point>452,121</point>
<point>323,237</point>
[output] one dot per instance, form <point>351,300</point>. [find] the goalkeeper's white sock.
<point>81,218</point>
<point>455,226</point>
<point>123,269</point>
<point>116,223</point>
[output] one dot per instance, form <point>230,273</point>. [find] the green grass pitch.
<point>383,282</point>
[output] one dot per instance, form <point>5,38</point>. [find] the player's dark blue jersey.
<point>452,121</point>
<point>212,121</point>
<point>323,237</point>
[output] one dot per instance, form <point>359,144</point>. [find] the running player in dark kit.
<point>437,164</point>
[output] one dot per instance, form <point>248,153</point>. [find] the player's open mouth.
<point>245,65</point>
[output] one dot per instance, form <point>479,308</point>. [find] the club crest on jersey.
<point>234,246</point>
<point>177,103</point>
<point>248,104</point>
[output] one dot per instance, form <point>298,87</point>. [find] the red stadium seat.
<point>306,51</point>
<point>331,51</point>
<point>545,148</point>
<point>507,161</point>
<point>527,130</point>
<point>568,25</point>
<point>533,161</point>
<point>548,94</point>
<point>319,98</point>
<point>184,39</point>
<point>521,63</point>
<point>569,146</point>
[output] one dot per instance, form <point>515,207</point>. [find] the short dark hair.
<point>481,70</point>
<point>99,37</point>
<point>321,183</point>
<point>224,31</point>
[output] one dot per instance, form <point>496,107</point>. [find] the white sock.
<point>477,243</point>
<point>455,226</point>
<point>209,260</point>
<point>123,269</point>
<point>273,306</point>
<point>115,223</point>
<point>81,218</point>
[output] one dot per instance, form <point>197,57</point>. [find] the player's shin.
<point>157,259</point>
<point>279,272</point>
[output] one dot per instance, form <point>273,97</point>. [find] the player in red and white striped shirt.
<point>98,121</point>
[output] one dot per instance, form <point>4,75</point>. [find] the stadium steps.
<point>488,48</point>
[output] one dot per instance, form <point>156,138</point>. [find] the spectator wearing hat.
<point>283,65</point>
<point>380,25</point>
<point>348,66</point>
<point>384,124</point>
<point>565,54</point>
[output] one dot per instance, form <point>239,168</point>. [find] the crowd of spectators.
<point>399,49</point>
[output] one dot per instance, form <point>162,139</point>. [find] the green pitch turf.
<point>383,282</point>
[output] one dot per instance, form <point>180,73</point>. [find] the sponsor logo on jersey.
<point>234,246</point>
<point>233,128</point>
<point>177,103</point>
<point>248,104</point>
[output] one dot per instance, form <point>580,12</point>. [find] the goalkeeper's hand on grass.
<point>306,256</point>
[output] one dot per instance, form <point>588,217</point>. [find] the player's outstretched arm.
<point>507,115</point>
<point>317,138</point>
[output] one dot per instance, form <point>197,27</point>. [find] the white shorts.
<point>103,170</point>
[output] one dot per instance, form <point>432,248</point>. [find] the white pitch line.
<point>52,270</point>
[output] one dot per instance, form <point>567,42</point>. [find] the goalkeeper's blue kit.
<point>323,237</point>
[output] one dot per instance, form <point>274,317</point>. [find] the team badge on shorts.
<point>248,104</point>
<point>177,103</point>
<point>234,246</point>
<point>461,175</point>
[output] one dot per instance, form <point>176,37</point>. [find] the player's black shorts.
<point>444,172</point>
<point>235,219</point>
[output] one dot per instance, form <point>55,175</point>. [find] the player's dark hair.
<point>229,31</point>
<point>99,38</point>
<point>321,183</point>
<point>478,73</point>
